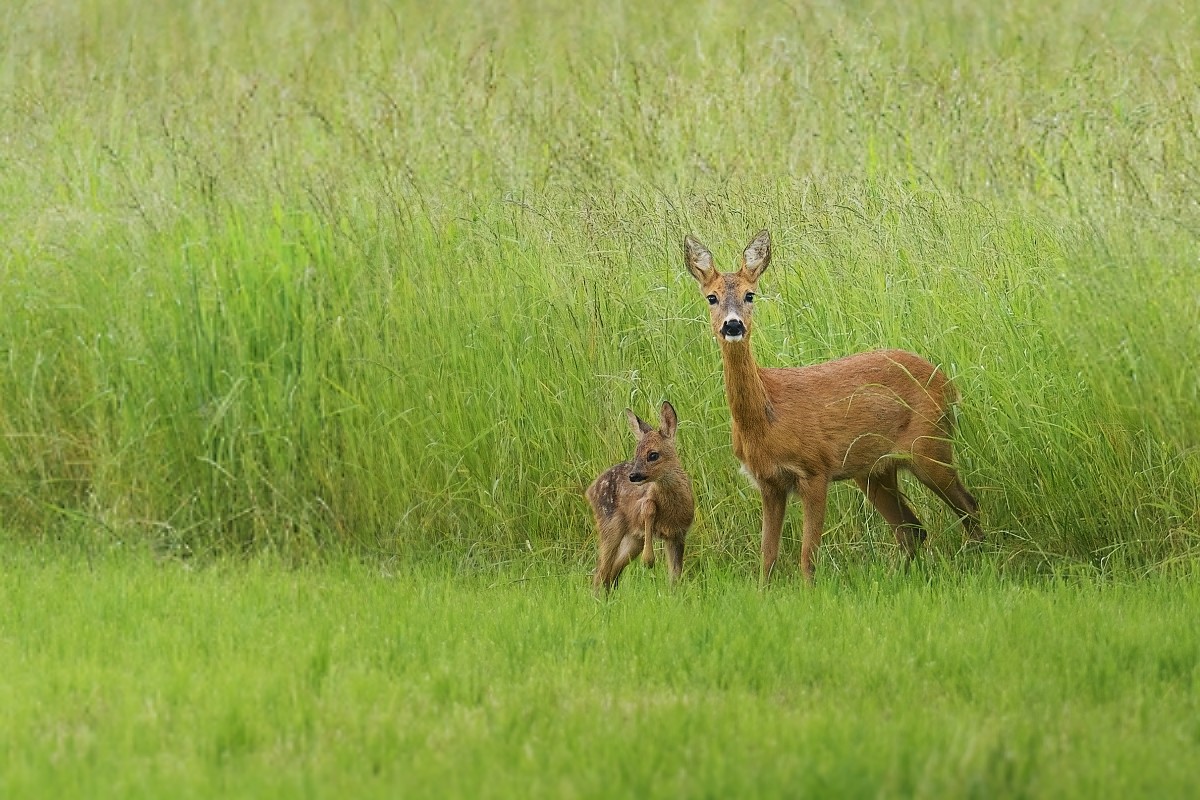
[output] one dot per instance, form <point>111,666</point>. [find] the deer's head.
<point>655,454</point>
<point>730,295</point>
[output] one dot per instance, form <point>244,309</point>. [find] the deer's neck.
<point>744,389</point>
<point>674,483</point>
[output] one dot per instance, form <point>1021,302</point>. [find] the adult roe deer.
<point>861,417</point>
<point>637,499</point>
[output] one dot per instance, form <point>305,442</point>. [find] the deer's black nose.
<point>733,327</point>
<point>637,477</point>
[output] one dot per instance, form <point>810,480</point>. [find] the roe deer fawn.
<point>638,499</point>
<point>862,417</point>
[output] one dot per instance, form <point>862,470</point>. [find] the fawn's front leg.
<point>646,514</point>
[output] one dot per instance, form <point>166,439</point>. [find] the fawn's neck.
<point>744,390</point>
<point>674,482</point>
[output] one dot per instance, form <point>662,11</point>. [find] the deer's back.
<point>896,373</point>
<point>613,495</point>
<point>611,490</point>
<point>842,417</point>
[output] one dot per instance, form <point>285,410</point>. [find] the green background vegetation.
<point>316,318</point>
<point>300,275</point>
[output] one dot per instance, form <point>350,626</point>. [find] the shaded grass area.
<point>131,677</point>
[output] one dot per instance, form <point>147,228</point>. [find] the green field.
<point>316,318</point>
<point>132,679</point>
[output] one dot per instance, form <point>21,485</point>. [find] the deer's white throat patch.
<point>748,475</point>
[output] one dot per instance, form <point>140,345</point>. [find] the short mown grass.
<point>131,677</point>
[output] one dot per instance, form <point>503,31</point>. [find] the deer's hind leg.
<point>674,547</point>
<point>613,555</point>
<point>933,465</point>
<point>629,547</point>
<point>883,491</point>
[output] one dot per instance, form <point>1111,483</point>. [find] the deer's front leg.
<point>646,515</point>
<point>774,505</point>
<point>813,494</point>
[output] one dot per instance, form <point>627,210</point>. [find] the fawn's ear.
<point>638,425</point>
<point>757,255</point>
<point>699,261</point>
<point>667,420</point>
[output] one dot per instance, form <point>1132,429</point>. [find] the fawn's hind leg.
<point>630,544</point>
<point>610,541</point>
<point>674,547</point>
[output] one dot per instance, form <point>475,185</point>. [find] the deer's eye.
<point>712,299</point>
<point>652,457</point>
<point>749,297</point>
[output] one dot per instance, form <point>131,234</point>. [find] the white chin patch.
<point>737,338</point>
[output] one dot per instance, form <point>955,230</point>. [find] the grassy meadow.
<point>251,681</point>
<point>316,318</point>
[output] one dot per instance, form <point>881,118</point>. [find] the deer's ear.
<point>636,424</point>
<point>699,261</point>
<point>667,420</point>
<point>757,255</point>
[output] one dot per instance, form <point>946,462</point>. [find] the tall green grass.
<point>303,276</point>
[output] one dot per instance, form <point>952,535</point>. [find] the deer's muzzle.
<point>733,328</point>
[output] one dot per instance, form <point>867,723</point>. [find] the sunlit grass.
<point>127,677</point>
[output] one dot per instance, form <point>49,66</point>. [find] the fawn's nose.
<point>637,477</point>
<point>733,327</point>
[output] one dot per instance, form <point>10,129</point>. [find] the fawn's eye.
<point>652,457</point>
<point>749,297</point>
<point>712,299</point>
